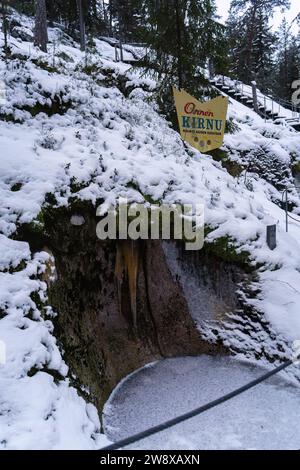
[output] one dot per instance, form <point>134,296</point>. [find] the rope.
<point>290,216</point>
<point>196,412</point>
<point>293,218</point>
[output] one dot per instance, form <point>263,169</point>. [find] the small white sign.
<point>2,353</point>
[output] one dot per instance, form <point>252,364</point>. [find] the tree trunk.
<point>40,30</point>
<point>4,25</point>
<point>251,38</point>
<point>110,7</point>
<point>81,25</point>
<point>179,44</point>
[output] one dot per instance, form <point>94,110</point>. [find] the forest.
<point>246,48</point>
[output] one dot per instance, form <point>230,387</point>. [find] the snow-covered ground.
<point>111,139</point>
<point>265,417</point>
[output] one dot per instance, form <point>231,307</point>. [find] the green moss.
<point>234,168</point>
<point>80,206</point>
<point>45,66</point>
<point>91,69</point>
<point>225,248</point>
<point>231,127</point>
<point>219,155</point>
<point>58,106</point>
<point>62,55</point>
<point>7,51</point>
<point>77,186</point>
<point>296,168</point>
<point>9,117</point>
<point>134,185</point>
<point>19,56</point>
<point>113,79</point>
<point>50,199</point>
<point>54,373</point>
<point>40,219</point>
<point>16,187</point>
<point>33,233</point>
<point>3,313</point>
<point>21,266</point>
<point>35,297</point>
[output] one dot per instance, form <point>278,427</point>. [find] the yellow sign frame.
<point>202,124</point>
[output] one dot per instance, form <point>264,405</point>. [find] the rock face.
<point>209,283</point>
<point>120,304</point>
<point>21,33</point>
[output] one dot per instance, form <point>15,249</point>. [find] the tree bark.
<point>81,25</point>
<point>110,8</point>
<point>251,38</point>
<point>179,44</point>
<point>4,24</point>
<point>40,30</point>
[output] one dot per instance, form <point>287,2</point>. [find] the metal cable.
<point>293,218</point>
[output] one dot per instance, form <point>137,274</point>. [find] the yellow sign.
<point>202,125</point>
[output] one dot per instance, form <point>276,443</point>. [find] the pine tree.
<point>183,35</point>
<point>287,63</point>
<point>251,40</point>
<point>127,18</point>
<point>24,6</point>
<point>119,18</point>
<point>81,24</point>
<point>263,53</point>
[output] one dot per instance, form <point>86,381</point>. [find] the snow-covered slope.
<point>111,141</point>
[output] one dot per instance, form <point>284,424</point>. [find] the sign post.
<point>271,236</point>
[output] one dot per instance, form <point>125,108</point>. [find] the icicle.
<point>119,273</point>
<point>127,263</point>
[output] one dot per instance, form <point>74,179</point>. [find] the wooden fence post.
<point>121,52</point>
<point>254,95</point>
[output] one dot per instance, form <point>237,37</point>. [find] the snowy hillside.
<point>86,126</point>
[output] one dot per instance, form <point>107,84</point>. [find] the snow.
<point>115,144</point>
<point>58,420</point>
<point>255,420</point>
<point>264,100</point>
<point>77,220</point>
<point>13,252</point>
<point>36,411</point>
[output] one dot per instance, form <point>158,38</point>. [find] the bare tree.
<point>81,25</point>
<point>40,29</point>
